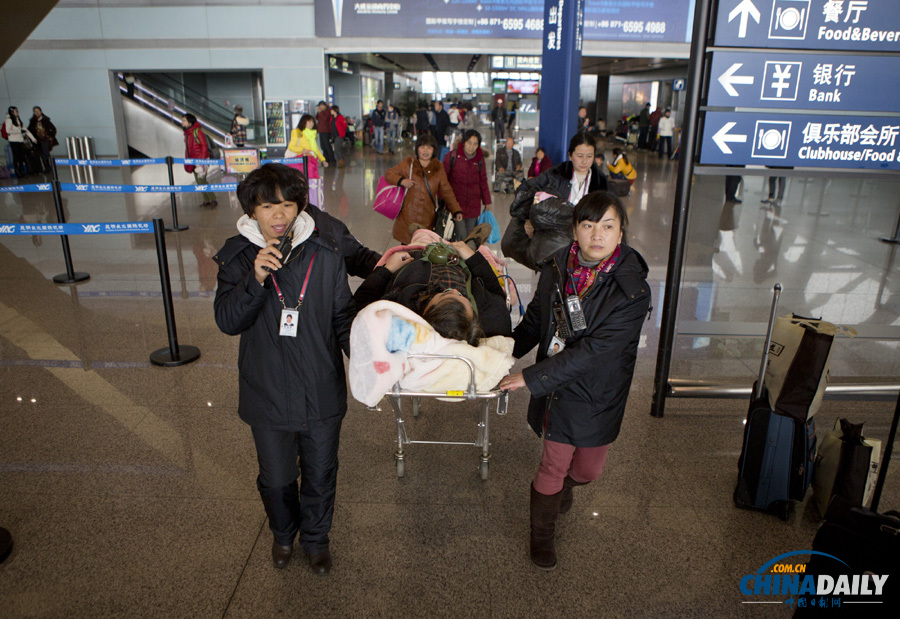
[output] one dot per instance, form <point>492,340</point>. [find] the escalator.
<point>153,116</point>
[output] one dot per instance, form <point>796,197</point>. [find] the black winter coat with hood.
<point>552,218</point>
<point>585,386</point>
<point>285,382</point>
<point>359,259</point>
<point>556,181</point>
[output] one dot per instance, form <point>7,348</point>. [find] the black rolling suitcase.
<point>863,542</point>
<point>33,160</point>
<point>776,463</point>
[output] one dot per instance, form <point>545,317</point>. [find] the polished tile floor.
<point>130,489</point>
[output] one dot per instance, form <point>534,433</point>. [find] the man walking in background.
<point>323,129</point>
<point>378,121</point>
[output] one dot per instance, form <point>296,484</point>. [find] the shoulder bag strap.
<point>428,187</point>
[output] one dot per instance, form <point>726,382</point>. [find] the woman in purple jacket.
<point>467,173</point>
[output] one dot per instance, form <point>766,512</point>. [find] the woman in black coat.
<point>536,231</point>
<point>585,360</point>
<point>291,311</point>
<point>439,293</point>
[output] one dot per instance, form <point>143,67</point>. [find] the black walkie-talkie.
<point>285,245</point>
<point>563,325</point>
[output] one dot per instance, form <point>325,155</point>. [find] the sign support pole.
<point>896,238</point>
<point>561,81</point>
<point>682,202</point>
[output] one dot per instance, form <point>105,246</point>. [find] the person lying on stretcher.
<point>452,286</point>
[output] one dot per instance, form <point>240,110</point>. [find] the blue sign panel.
<point>563,40</point>
<point>604,20</point>
<point>859,25</point>
<point>808,141</point>
<point>795,81</point>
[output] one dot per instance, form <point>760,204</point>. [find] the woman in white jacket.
<point>15,131</point>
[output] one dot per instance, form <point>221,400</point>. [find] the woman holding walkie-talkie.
<point>585,318</point>
<point>282,287</point>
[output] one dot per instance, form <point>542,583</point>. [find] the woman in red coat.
<point>539,163</point>
<point>467,172</point>
<point>196,147</point>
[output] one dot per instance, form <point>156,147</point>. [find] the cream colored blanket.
<point>385,333</point>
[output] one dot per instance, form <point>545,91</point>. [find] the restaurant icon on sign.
<point>771,139</point>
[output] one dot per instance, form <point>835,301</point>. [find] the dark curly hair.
<point>273,183</point>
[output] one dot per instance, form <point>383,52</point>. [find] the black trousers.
<point>665,140</point>
<point>18,153</point>
<point>45,146</point>
<point>325,145</point>
<point>308,509</point>
<point>643,134</point>
<point>731,186</point>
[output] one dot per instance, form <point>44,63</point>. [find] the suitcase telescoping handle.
<point>886,457</point>
<point>765,354</point>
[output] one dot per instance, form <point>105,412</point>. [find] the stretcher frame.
<point>470,394</point>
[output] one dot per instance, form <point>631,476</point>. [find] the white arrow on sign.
<point>745,9</point>
<point>728,79</point>
<point>721,138</point>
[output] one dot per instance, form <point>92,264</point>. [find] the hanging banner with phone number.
<point>604,20</point>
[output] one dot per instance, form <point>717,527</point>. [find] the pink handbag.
<point>389,198</point>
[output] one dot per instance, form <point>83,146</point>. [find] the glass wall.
<point>371,93</point>
<point>820,237</point>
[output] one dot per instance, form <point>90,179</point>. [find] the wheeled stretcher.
<point>487,400</point>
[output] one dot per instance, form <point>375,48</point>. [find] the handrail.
<point>207,121</point>
<point>685,388</point>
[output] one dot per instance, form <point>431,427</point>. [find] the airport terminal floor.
<point>130,488</point>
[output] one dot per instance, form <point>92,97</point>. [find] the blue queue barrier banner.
<point>108,162</point>
<point>820,141</point>
<point>78,187</point>
<point>40,187</point>
<point>823,82</point>
<point>122,227</point>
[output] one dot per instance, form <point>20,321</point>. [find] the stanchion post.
<point>175,227</point>
<point>896,238</point>
<point>70,276</point>
<point>174,355</point>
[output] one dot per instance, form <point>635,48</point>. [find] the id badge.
<point>556,346</point>
<point>289,320</point>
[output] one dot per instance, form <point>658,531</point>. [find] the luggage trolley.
<point>482,440</point>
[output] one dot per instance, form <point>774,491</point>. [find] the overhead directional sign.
<point>797,81</point>
<point>782,140</point>
<point>858,25</point>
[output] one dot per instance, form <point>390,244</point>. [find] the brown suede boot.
<point>544,511</point>
<point>568,495</point>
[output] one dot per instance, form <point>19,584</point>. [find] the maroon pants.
<point>583,464</point>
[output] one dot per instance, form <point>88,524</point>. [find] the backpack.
<point>3,131</point>
<point>210,145</point>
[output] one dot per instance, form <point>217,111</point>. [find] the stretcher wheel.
<point>401,467</point>
<point>483,469</point>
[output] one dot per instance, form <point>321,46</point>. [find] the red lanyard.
<point>302,290</point>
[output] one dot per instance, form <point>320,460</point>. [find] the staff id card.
<point>556,346</point>
<point>289,320</point>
